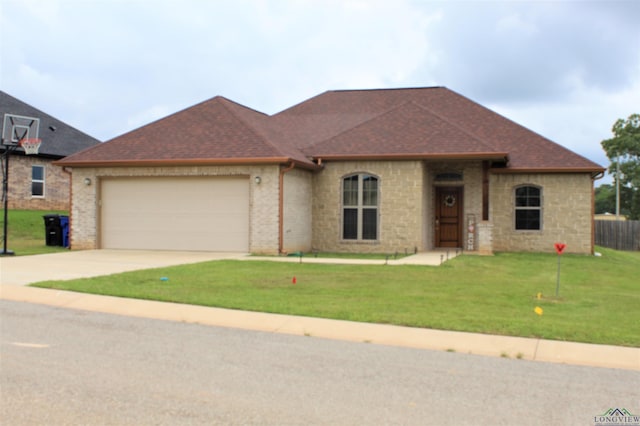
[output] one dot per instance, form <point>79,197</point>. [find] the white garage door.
<point>188,213</point>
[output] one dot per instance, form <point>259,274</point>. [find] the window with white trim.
<point>37,181</point>
<point>360,207</point>
<point>528,208</point>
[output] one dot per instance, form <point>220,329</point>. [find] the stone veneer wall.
<point>263,203</point>
<point>566,212</point>
<point>401,204</point>
<point>297,211</point>
<point>56,185</point>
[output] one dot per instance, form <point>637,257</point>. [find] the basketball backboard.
<point>17,127</point>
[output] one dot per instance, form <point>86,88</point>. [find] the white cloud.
<point>516,24</point>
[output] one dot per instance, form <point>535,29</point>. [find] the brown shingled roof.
<point>408,130</point>
<point>375,124</point>
<point>216,131</point>
<point>316,121</point>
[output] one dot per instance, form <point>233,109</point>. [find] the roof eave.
<point>502,156</point>
<point>595,171</point>
<point>186,162</point>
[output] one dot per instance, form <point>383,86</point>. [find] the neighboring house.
<point>34,183</point>
<point>345,171</point>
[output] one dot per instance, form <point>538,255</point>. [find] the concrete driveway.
<point>23,270</point>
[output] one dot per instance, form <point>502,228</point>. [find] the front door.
<point>448,215</point>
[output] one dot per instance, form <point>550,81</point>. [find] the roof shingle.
<point>384,123</point>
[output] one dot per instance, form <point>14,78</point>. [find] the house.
<point>34,183</point>
<point>346,171</point>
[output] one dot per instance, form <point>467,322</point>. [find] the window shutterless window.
<point>360,207</point>
<point>528,208</point>
<point>37,181</point>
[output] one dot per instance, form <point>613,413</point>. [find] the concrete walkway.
<point>16,272</point>
<point>428,258</point>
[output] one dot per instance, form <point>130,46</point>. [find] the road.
<point>61,366</point>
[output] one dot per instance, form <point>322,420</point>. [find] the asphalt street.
<point>61,366</point>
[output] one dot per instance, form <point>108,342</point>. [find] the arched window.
<point>528,208</point>
<point>360,207</point>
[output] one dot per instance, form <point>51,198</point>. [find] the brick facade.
<point>56,184</point>
<point>407,205</point>
<point>567,214</point>
<point>297,225</point>
<point>312,217</point>
<point>263,203</point>
<point>401,204</point>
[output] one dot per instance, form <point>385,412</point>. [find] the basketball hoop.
<point>30,145</point>
<point>17,130</point>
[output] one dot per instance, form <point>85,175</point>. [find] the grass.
<point>26,233</point>
<point>598,301</point>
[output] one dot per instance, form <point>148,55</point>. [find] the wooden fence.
<point>619,235</point>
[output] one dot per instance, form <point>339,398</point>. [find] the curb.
<point>453,341</point>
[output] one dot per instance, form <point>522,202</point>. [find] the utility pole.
<point>618,188</point>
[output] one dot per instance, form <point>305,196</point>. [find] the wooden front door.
<point>448,216</point>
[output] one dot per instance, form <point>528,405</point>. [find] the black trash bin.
<point>52,229</point>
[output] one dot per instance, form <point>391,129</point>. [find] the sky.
<point>564,69</point>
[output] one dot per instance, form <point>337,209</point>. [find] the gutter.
<point>287,169</point>
<point>434,156</point>
<point>596,173</point>
<point>184,162</point>
<point>69,172</point>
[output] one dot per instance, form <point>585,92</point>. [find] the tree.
<point>605,199</point>
<point>623,150</point>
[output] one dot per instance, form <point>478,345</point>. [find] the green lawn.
<point>598,303</point>
<point>26,233</point>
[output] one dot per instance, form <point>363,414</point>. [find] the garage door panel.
<point>204,213</point>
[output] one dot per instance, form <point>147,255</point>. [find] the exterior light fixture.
<point>87,181</point>
<point>257,179</point>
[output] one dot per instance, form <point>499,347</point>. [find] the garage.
<point>175,213</point>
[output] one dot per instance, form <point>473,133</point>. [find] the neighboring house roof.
<point>58,138</point>
<point>352,124</point>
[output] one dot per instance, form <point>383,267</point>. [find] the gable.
<point>408,130</point>
<point>216,130</point>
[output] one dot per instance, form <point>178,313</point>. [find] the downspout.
<point>593,217</point>
<point>594,178</point>
<point>281,206</point>
<point>64,169</point>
